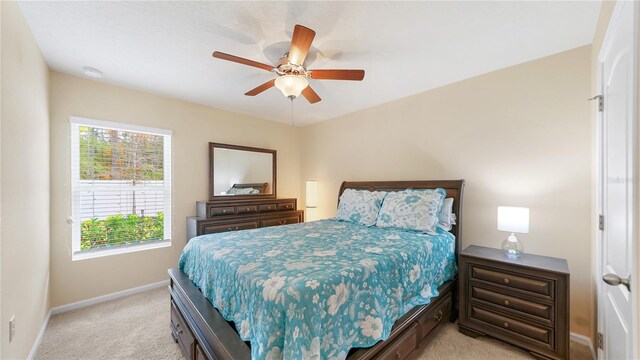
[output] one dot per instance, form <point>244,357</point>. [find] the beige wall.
<point>193,127</point>
<point>518,136</point>
<point>24,164</point>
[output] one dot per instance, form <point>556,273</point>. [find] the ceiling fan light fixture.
<point>291,85</point>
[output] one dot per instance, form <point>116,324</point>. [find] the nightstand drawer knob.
<point>506,302</point>
<point>506,281</point>
<point>506,325</point>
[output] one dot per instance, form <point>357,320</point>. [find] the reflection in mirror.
<point>242,172</point>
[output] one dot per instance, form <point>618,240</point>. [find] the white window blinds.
<point>121,185</point>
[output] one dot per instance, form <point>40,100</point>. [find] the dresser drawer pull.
<point>438,316</point>
<point>506,302</point>
<point>233,229</point>
<point>247,209</point>
<point>398,355</point>
<point>506,281</point>
<point>282,222</point>
<point>506,324</point>
<point>224,211</point>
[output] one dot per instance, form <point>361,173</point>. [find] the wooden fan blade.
<point>300,44</point>
<point>327,74</point>
<point>310,95</point>
<point>269,84</point>
<point>237,59</point>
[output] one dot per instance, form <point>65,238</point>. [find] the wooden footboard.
<point>204,334</point>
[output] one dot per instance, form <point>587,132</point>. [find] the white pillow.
<point>447,217</point>
<point>360,206</point>
<point>412,210</point>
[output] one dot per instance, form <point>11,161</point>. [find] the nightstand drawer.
<point>539,312</point>
<point>512,326</point>
<point>509,279</point>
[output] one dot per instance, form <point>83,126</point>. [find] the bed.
<point>345,286</point>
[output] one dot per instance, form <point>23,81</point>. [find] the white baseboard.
<point>107,297</point>
<point>89,302</point>
<point>36,344</point>
<point>584,340</point>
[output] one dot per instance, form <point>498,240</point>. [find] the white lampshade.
<point>513,219</point>
<point>291,85</point>
<point>312,194</point>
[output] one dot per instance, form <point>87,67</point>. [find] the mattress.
<point>317,289</point>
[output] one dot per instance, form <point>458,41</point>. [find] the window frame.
<point>76,189</point>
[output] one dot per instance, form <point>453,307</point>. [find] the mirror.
<point>241,172</point>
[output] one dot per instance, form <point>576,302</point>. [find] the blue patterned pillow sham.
<point>360,206</point>
<point>412,210</point>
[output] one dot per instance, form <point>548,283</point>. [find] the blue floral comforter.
<point>317,289</point>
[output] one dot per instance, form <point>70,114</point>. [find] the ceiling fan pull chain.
<point>291,120</point>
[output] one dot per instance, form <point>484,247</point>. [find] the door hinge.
<point>600,341</point>
<point>601,222</point>
<point>600,99</point>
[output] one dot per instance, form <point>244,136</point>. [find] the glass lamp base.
<point>512,247</point>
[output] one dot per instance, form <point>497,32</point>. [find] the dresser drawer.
<point>510,326</point>
<point>402,346</point>
<point>221,210</point>
<point>431,318</point>
<point>286,206</point>
<point>212,229</point>
<point>246,209</point>
<point>534,310</point>
<point>267,207</point>
<point>280,221</point>
<point>534,285</point>
<point>182,333</point>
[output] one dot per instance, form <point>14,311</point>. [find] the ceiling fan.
<point>292,75</point>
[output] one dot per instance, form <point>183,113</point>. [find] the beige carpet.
<point>137,327</point>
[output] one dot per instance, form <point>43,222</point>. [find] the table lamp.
<point>514,220</point>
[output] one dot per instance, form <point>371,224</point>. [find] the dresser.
<point>523,301</point>
<point>221,216</point>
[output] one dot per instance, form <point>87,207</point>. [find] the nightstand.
<point>523,301</point>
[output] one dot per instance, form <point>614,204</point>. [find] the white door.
<point>618,146</point>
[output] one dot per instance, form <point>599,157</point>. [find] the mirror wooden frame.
<point>214,197</point>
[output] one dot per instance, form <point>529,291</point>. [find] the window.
<point>121,188</point>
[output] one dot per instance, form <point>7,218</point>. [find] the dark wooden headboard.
<point>262,187</point>
<point>453,187</point>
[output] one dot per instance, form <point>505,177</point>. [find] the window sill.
<point>116,250</point>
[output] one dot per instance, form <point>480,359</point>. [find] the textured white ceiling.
<point>405,47</point>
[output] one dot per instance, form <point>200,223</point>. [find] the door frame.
<point>635,158</point>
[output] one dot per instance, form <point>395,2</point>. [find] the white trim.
<point>36,344</point>
<point>107,297</point>
<point>584,340</point>
<point>118,126</point>
<point>116,250</point>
